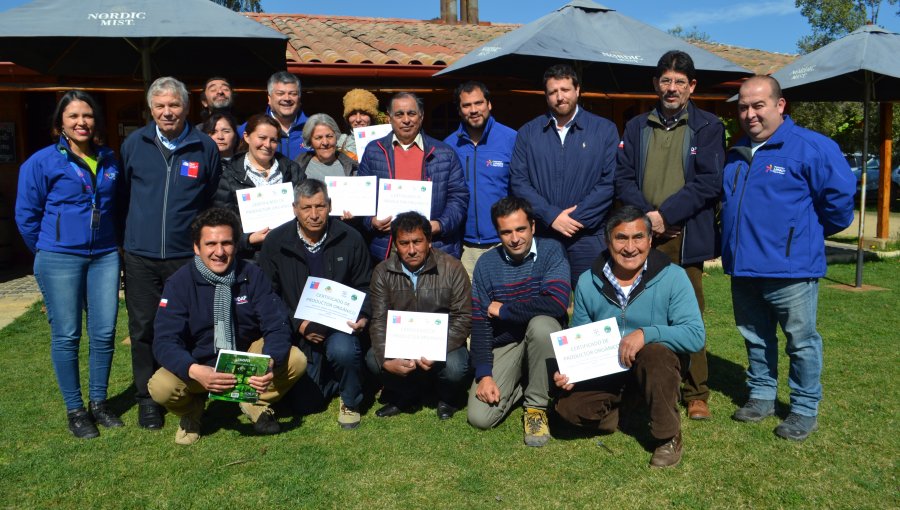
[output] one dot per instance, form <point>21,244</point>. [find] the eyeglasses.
<point>680,83</point>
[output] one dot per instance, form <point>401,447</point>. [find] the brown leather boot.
<point>667,454</point>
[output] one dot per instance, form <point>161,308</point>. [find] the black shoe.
<point>266,424</point>
<point>103,415</point>
<point>150,416</point>
<point>81,425</point>
<point>393,410</point>
<point>445,411</point>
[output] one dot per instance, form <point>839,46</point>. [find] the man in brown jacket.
<point>417,278</point>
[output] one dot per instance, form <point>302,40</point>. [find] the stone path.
<point>16,296</point>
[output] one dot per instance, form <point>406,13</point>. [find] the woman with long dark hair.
<point>65,211</point>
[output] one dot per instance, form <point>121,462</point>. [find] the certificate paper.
<point>414,335</point>
<point>265,206</point>
<point>397,196</point>
<point>329,303</point>
<point>365,135</point>
<point>353,194</point>
<point>588,351</point>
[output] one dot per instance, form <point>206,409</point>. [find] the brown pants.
<point>655,375</point>
<point>694,385</point>
<point>181,397</point>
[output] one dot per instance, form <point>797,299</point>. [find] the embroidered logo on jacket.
<point>240,300</point>
<point>190,169</point>
<point>775,169</point>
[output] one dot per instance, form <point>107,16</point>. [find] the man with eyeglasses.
<point>670,167</point>
<point>408,153</point>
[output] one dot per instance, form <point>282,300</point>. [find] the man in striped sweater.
<point>520,295</point>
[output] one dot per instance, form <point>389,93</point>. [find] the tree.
<point>693,34</point>
<point>833,19</point>
<point>841,121</point>
<point>241,5</point>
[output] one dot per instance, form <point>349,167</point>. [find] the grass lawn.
<point>414,461</point>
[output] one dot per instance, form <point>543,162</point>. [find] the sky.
<point>771,25</point>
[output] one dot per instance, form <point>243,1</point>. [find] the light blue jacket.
<point>663,304</point>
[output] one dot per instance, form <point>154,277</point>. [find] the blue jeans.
<point>448,377</point>
<point>339,369</point>
<point>72,284</point>
<point>761,304</point>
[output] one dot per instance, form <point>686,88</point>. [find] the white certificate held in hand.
<point>414,335</point>
<point>397,196</point>
<point>368,134</point>
<point>588,351</point>
<point>265,206</point>
<point>355,195</point>
<point>329,303</point>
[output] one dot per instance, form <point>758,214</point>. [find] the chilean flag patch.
<point>190,169</point>
<point>163,303</point>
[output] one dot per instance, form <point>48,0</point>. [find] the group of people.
<point>559,224</point>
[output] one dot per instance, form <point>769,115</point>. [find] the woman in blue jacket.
<point>65,213</point>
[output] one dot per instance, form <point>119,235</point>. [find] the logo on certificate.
<point>245,197</point>
<point>396,319</point>
<point>314,285</point>
<point>562,340</point>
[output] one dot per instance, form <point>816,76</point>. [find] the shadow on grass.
<point>728,378</point>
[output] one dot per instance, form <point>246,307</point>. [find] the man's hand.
<point>435,227</point>
<point>566,225</point>
<point>631,344</point>
<point>312,335</point>
<point>359,325</point>
<point>211,380</point>
<point>399,366</point>
<point>383,225</point>
<point>494,309</point>
<point>424,364</point>
<point>487,390</point>
<point>261,383</point>
<point>657,223</point>
<point>562,381</point>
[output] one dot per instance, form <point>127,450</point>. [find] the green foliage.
<point>732,130</point>
<point>415,461</point>
<point>694,34</point>
<point>833,19</point>
<point>843,122</point>
<point>241,5</point>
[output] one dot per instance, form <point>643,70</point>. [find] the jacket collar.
<point>394,265</point>
<point>463,135</point>
<point>656,262</point>
<point>192,136</point>
<point>299,120</point>
<point>240,272</point>
<point>551,120</point>
<point>336,232</point>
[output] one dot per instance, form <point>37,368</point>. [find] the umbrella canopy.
<point>837,71</point>
<point>140,38</point>
<point>614,53</point>
<point>862,66</point>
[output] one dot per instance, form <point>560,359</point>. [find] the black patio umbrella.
<point>862,66</point>
<point>139,38</point>
<point>612,52</point>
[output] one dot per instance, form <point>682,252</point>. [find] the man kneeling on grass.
<point>657,312</point>
<point>219,302</point>
<point>520,295</point>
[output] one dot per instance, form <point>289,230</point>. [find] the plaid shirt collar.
<point>621,295</point>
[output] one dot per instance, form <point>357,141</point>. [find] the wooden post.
<point>883,227</point>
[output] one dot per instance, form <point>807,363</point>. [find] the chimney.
<point>468,11</point>
<point>448,11</point>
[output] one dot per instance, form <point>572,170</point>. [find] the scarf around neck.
<point>224,333</point>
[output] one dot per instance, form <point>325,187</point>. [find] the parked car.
<point>895,183</point>
<point>872,170</point>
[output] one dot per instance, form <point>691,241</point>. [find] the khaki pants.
<point>471,253</point>
<point>536,352</point>
<point>181,397</point>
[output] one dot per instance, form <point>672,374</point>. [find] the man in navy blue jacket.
<point>563,163</point>
<point>785,189</point>
<point>219,302</point>
<point>170,172</point>
<point>670,167</point>
<point>408,153</point>
<point>484,147</point>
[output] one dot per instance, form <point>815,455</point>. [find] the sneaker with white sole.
<point>348,418</point>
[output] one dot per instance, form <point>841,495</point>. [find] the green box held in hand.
<point>243,365</point>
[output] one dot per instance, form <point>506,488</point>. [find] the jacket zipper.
<point>737,228</point>
<point>787,252</point>
<point>475,189</point>
<point>162,246</point>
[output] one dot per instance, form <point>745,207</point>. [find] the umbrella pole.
<point>863,171</point>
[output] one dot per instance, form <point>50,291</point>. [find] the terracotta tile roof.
<point>406,42</point>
